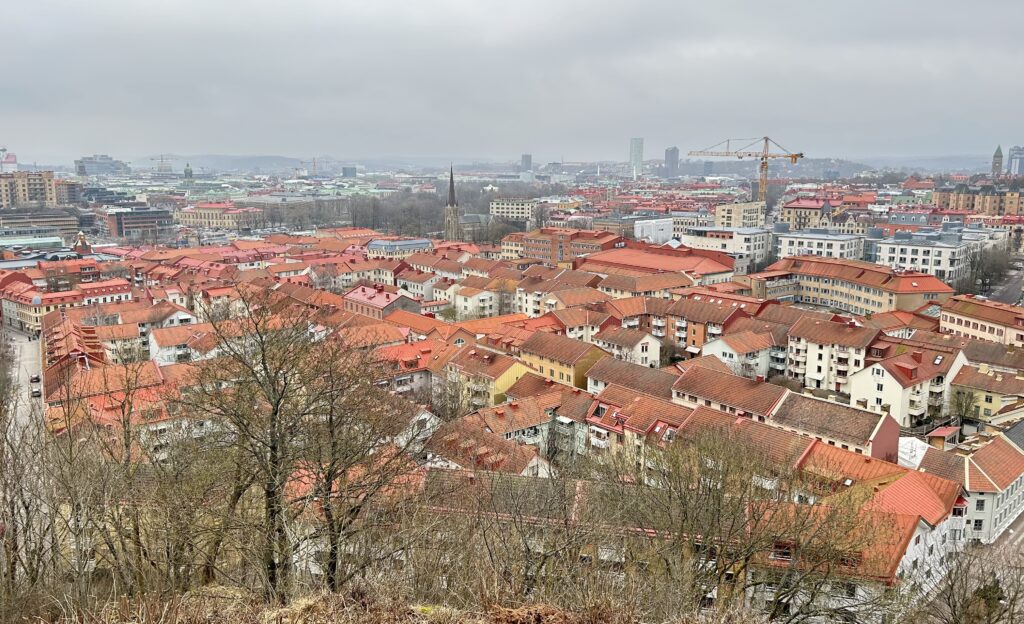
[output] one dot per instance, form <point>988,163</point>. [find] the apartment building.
<point>376,302</point>
<point>560,358</point>
<point>912,386</point>
<point>978,317</point>
<point>823,355</point>
<point>997,393</point>
<point>748,246</point>
<point>987,201</point>
<point>515,209</point>
<point>817,242</point>
<point>482,375</point>
<point>562,245</point>
<point>851,286</point>
<point>27,189</point>
<point>684,220</point>
<point>740,215</point>
<point>630,345</point>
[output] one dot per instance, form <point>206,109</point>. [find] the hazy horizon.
<point>459,80</point>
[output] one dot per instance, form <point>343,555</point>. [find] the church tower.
<point>997,162</point>
<point>452,227</point>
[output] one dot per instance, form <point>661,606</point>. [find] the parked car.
<point>34,379</point>
<point>36,393</point>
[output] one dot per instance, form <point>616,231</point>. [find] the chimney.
<point>514,405</point>
<point>983,369</point>
<point>851,324</point>
<point>917,355</point>
<point>760,379</point>
<point>499,413</point>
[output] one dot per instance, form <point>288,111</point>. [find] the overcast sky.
<point>491,78</point>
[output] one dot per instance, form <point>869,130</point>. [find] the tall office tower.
<point>636,156</point>
<point>672,162</point>
<point>709,167</point>
<point>1015,161</point>
<point>526,162</point>
<point>997,162</point>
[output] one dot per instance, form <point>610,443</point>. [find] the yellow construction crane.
<point>725,149</point>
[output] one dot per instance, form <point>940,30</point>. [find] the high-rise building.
<point>636,156</point>
<point>27,188</point>
<point>997,162</point>
<point>348,172</point>
<point>672,162</point>
<point>1015,161</point>
<point>526,162</point>
<point>709,167</point>
<point>452,227</point>
<point>100,164</point>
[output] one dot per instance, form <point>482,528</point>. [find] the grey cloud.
<point>570,78</point>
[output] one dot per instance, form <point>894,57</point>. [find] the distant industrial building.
<point>100,164</point>
<point>526,162</point>
<point>348,172</point>
<point>27,189</point>
<point>135,223</point>
<point>636,156</point>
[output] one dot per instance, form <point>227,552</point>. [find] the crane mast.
<point>764,154</point>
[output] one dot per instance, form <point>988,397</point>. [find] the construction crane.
<point>163,163</point>
<point>310,162</point>
<point>725,149</point>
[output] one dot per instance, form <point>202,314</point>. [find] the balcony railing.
<point>601,443</point>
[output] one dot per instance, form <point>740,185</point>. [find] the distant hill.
<point>224,163</point>
<point>935,164</point>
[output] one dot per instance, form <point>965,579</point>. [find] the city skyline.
<point>138,81</point>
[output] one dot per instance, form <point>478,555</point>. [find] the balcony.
<point>480,401</point>
<point>797,368</point>
<point>658,333</point>
<point>714,330</point>
<point>599,443</point>
<point>777,365</point>
<point>935,401</point>
<point>658,322</point>
<point>477,387</point>
<point>681,324</point>
<point>916,408</point>
<point>798,356</point>
<point>564,429</point>
<point>843,365</point>
<point>632,322</point>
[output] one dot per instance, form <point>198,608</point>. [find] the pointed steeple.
<point>451,187</point>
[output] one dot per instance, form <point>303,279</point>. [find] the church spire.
<point>452,226</point>
<point>451,187</point>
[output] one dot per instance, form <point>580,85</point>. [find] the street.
<point>26,362</point>
<point>1009,291</point>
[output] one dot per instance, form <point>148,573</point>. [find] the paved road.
<point>26,358</point>
<point>1010,290</point>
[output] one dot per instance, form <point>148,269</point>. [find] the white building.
<point>749,246</point>
<point>630,345</point>
<point>658,231</point>
<point>912,387</point>
<point>823,355</point>
<point>819,242</point>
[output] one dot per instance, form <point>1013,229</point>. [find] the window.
<point>979,525</point>
<point>879,387</point>
<point>979,505</point>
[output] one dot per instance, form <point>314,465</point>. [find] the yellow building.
<point>740,215</point>
<point>484,376</point>
<point>27,188</point>
<point>996,393</point>
<point>223,216</point>
<point>560,358</point>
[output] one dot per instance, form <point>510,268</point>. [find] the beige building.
<point>27,188</point>
<point>988,201</point>
<point>970,316</point>
<point>514,209</point>
<point>740,215</point>
<point>847,285</point>
<point>223,216</point>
